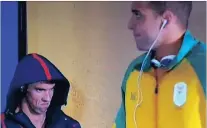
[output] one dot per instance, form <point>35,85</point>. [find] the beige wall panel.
<point>89,42</point>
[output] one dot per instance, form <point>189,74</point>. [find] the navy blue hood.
<point>34,68</point>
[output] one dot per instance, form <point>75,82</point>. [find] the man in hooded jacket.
<point>36,94</point>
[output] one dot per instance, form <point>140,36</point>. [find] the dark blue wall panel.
<point>9,46</point>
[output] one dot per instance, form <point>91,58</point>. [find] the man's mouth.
<point>45,104</point>
<point>136,35</point>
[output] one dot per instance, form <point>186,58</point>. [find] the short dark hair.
<point>181,9</point>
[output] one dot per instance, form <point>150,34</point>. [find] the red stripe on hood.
<point>44,66</point>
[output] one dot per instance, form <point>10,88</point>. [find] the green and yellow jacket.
<point>159,110</point>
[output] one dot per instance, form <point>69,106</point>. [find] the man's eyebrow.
<point>44,88</point>
<point>40,88</point>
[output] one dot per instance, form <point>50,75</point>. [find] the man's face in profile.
<point>144,24</point>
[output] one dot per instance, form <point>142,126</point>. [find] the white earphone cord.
<point>140,97</point>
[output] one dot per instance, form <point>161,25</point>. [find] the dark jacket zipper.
<point>156,89</point>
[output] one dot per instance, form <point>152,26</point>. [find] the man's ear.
<point>169,16</point>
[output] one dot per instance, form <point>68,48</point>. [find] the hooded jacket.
<point>35,68</point>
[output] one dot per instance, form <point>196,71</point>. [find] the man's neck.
<point>36,119</point>
<point>171,47</point>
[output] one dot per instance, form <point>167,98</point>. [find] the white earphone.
<point>164,23</point>
<point>140,97</point>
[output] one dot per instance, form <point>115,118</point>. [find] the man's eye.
<point>39,90</point>
<point>138,15</point>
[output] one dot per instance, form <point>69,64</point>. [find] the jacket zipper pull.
<point>156,90</point>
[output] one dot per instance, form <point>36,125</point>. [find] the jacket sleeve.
<point>3,125</point>
<point>76,125</point>
<point>71,123</point>
<point>198,61</point>
<point>120,120</point>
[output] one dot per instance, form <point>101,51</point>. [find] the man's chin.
<point>144,49</point>
<point>41,111</point>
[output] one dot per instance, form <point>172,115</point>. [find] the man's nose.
<point>47,97</point>
<point>131,24</point>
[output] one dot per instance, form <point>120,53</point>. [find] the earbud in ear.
<point>164,23</point>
